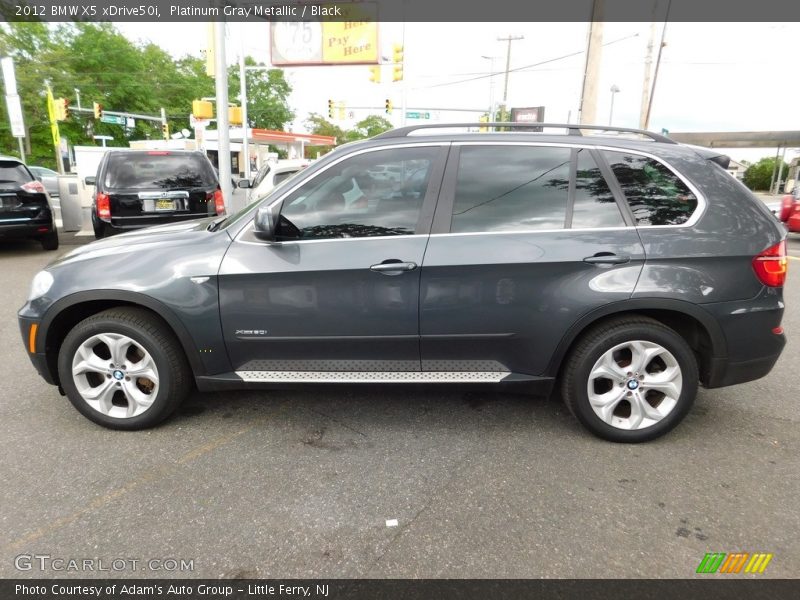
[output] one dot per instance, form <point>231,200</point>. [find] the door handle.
<point>606,258</point>
<point>394,267</point>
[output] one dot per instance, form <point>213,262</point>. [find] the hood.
<point>161,238</point>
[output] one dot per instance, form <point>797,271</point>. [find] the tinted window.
<point>141,170</point>
<point>355,199</point>
<point>511,188</point>
<point>655,194</point>
<point>13,172</point>
<point>281,177</point>
<point>594,203</point>
<point>260,175</point>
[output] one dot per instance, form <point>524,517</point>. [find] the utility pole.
<point>648,68</point>
<point>658,64</point>
<point>587,112</point>
<point>243,100</point>
<point>491,60</point>
<point>223,125</point>
<point>509,39</point>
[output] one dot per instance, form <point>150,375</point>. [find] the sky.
<point>712,76</point>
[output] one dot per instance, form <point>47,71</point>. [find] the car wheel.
<point>50,241</point>
<point>124,369</point>
<point>99,227</point>
<point>631,380</point>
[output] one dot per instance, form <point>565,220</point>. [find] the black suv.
<point>25,210</point>
<point>141,188</point>
<point>626,268</point>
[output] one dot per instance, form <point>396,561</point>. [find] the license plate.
<point>165,205</point>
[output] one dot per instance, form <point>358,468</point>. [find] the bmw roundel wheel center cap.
<point>632,384</point>
<point>118,375</point>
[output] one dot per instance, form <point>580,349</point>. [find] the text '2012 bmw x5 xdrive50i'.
<point>629,269</point>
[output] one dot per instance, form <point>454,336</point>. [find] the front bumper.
<point>38,358</point>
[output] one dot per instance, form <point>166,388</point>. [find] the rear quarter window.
<point>146,170</point>
<point>655,194</point>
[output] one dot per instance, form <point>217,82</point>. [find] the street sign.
<point>113,119</point>
<point>413,114</point>
<point>15,116</point>
<point>130,122</point>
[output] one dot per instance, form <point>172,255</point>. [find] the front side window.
<point>372,194</point>
<point>656,195</point>
<point>511,188</point>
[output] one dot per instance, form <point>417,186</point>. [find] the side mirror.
<point>243,183</point>
<point>90,180</point>
<point>266,222</point>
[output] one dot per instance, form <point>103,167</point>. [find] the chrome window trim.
<point>702,203</point>
<point>249,225</point>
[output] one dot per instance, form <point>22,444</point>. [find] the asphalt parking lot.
<point>297,483</point>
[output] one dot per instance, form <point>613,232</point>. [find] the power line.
<point>527,67</point>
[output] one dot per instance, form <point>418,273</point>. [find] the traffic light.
<point>165,130</point>
<point>341,111</point>
<point>98,110</point>
<point>202,109</point>
<point>235,115</point>
<point>61,109</point>
<point>483,119</point>
<point>399,55</point>
<point>388,106</point>
<point>375,74</point>
<point>331,108</point>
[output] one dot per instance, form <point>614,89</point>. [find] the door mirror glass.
<point>89,180</point>
<point>243,183</point>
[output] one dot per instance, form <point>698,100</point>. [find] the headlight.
<point>40,285</point>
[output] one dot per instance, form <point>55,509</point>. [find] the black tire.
<point>154,336</point>
<point>50,241</point>
<point>599,340</point>
<point>101,229</point>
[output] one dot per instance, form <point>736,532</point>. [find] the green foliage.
<point>759,175</point>
<point>366,128</point>
<point>121,75</point>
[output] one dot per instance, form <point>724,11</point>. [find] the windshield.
<point>141,170</point>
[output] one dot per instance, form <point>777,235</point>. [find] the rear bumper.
<point>131,223</point>
<point>25,229</point>
<point>753,346</point>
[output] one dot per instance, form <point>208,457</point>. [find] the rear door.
<point>18,205</point>
<point>151,186</point>
<point>526,239</point>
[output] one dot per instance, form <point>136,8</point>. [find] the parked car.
<point>25,210</point>
<point>270,175</point>
<point>142,188</point>
<point>49,179</point>
<point>623,270</point>
<point>790,210</point>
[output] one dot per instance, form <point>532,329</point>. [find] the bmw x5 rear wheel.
<point>123,369</point>
<point>631,379</point>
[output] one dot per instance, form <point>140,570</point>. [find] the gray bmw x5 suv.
<point>623,268</point>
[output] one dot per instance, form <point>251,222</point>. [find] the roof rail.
<point>572,128</point>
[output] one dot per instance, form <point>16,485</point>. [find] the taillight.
<point>771,264</point>
<point>786,207</point>
<point>103,206</point>
<point>219,202</point>
<point>34,187</point>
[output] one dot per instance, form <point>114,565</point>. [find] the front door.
<point>339,290</point>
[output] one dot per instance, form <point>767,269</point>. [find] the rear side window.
<point>656,195</point>
<point>146,170</point>
<point>595,205</point>
<point>511,188</point>
<point>281,177</point>
<point>13,172</point>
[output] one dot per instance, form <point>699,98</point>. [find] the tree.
<point>318,125</point>
<point>267,95</point>
<point>369,127</point>
<point>759,175</point>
